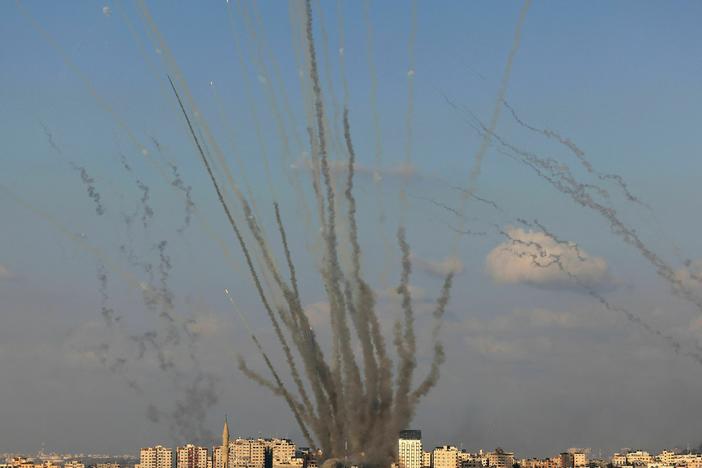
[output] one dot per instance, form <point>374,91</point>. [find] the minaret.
<point>225,444</point>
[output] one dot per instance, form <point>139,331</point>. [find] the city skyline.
<point>515,184</point>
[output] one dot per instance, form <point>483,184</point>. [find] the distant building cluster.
<point>237,453</point>
<point>665,459</point>
<point>283,453</point>
<point>411,454</point>
<point>24,462</point>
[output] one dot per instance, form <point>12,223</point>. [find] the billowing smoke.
<point>347,405</point>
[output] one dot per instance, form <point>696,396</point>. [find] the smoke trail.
<point>332,275</point>
<point>108,313</point>
<point>279,387</point>
<point>187,191</point>
<point>565,183</point>
<point>50,139</point>
<point>85,178</point>
<point>145,342</point>
<point>439,355</point>
<point>580,154</point>
<point>542,258</point>
<point>89,183</point>
<point>367,325</point>
<point>409,131</point>
<point>478,198</point>
<point>317,371</point>
<point>542,254</point>
<point>406,343</point>
<point>378,143</point>
<point>147,212</point>
<point>245,250</point>
<point>480,154</point>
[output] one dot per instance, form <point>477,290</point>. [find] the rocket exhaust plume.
<point>343,404</point>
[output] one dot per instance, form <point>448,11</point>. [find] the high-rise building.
<point>191,456</point>
<point>409,449</point>
<point>500,459</point>
<point>73,464</point>
<point>156,457</point>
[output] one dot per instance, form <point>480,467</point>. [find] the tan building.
<point>156,457</point>
<point>445,457</point>
<point>73,464</point>
<point>283,451</point>
<point>554,462</point>
<point>666,457</point>
<point>426,459</point>
<point>500,459</point>
<point>573,459</point>
<point>638,457</point>
<point>409,449</point>
<point>191,456</point>
<point>108,465</point>
<point>619,459</point>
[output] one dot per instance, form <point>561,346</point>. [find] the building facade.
<point>156,457</point>
<point>191,456</point>
<point>409,449</point>
<point>445,457</point>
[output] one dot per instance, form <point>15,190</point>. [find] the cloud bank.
<point>535,259</point>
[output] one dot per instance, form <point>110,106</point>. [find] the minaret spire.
<point>225,444</point>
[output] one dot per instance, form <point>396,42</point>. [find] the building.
<point>579,459</point>
<point>573,459</point>
<point>666,457</point>
<point>283,451</point>
<point>191,456</point>
<point>638,457</point>
<point>554,462</point>
<point>426,459</point>
<point>156,457</point>
<point>73,464</point>
<point>500,459</point>
<point>446,456</point>
<point>108,465</point>
<point>409,449</point>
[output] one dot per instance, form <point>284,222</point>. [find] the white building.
<point>156,457</point>
<point>191,456</point>
<point>409,449</point>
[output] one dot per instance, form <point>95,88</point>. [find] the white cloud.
<point>536,259</point>
<point>441,267</point>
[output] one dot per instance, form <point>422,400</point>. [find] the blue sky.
<point>619,79</point>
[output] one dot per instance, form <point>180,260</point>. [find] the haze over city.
<point>334,221</point>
